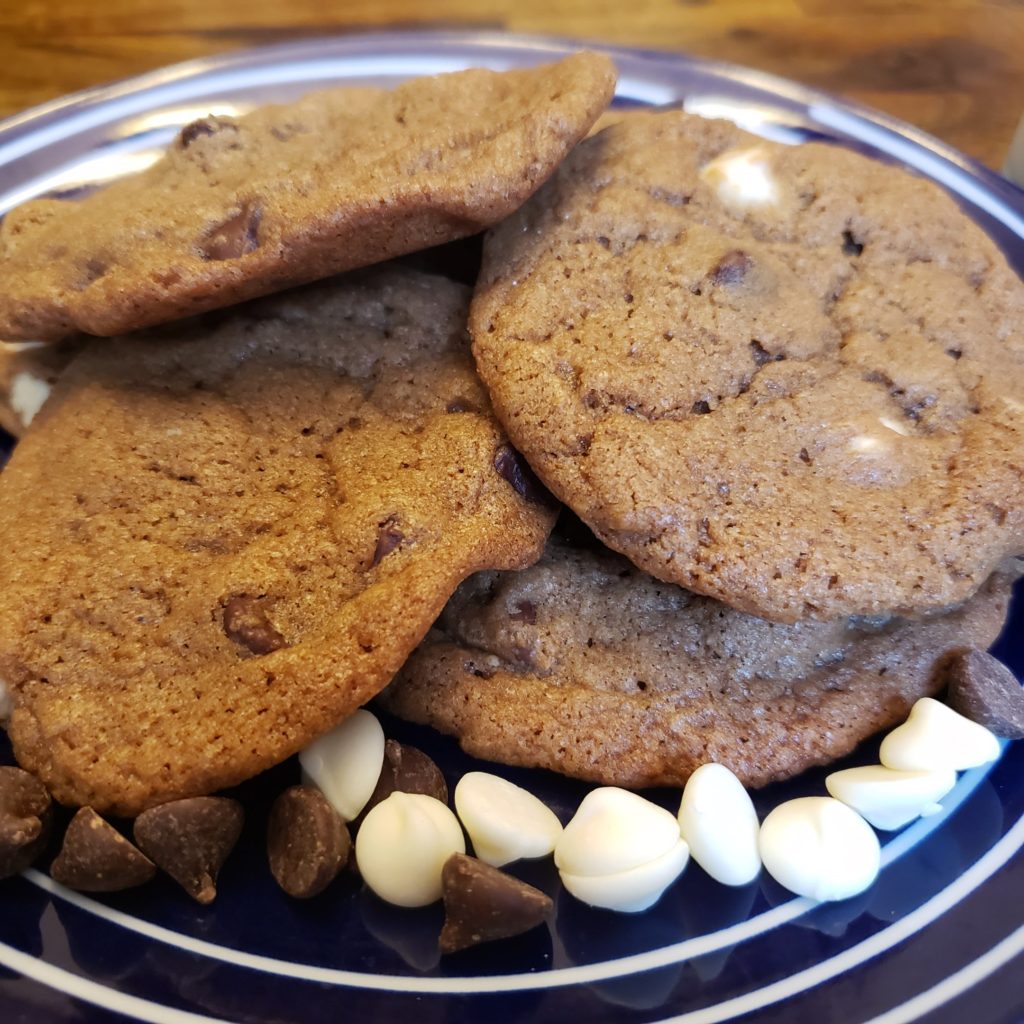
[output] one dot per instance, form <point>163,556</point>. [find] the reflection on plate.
<point>942,930</point>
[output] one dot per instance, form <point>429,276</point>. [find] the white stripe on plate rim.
<point>971,974</point>
<point>96,994</point>
<point>955,984</point>
<point>871,947</point>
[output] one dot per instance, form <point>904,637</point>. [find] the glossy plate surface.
<point>940,937</point>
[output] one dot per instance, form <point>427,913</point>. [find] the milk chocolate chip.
<point>984,690</point>
<point>95,857</point>
<point>460,404</point>
<point>307,842</point>
<point>246,622</point>
<point>190,839</point>
<point>732,268</point>
<point>513,468</point>
<point>204,126</point>
<point>482,903</point>
<point>407,770</point>
<point>234,237</point>
<point>26,816</point>
<point>389,536</point>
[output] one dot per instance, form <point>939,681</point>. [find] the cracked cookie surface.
<point>787,377</point>
<point>585,665</point>
<point>288,194</point>
<point>219,540</point>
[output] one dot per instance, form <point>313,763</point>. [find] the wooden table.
<point>953,67</point>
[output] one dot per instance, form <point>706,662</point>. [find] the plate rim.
<point>376,40</point>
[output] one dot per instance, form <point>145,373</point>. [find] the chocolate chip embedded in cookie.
<point>787,377</point>
<point>621,679</point>
<point>289,194</point>
<point>193,584</point>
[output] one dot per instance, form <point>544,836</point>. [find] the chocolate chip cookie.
<point>787,377</point>
<point>240,207</point>
<point>218,542</point>
<point>28,371</point>
<point>587,666</point>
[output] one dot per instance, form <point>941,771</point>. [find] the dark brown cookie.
<point>987,692</point>
<point>589,667</point>
<point>289,194</point>
<point>216,544</point>
<point>787,377</point>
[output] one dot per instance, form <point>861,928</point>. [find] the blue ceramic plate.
<point>938,938</point>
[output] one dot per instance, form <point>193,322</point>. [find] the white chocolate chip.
<point>504,821</point>
<point>614,830</point>
<point>887,798</point>
<point>346,762</point>
<point>895,426</point>
<point>868,444</point>
<point>718,821</point>
<point>818,847</point>
<point>742,179</point>
<point>620,851</point>
<point>402,846</point>
<point>935,736</point>
<point>27,396</point>
<point>632,890</point>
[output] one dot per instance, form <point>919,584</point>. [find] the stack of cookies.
<point>781,391</point>
<point>787,379</point>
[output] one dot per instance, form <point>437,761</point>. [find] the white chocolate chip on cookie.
<point>742,179</point>
<point>28,395</point>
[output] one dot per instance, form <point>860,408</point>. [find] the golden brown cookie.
<point>587,666</point>
<point>790,378</point>
<point>216,544</point>
<point>289,194</point>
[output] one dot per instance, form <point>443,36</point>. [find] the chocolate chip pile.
<point>619,851</point>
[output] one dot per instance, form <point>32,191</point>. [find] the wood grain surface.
<point>952,67</point>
